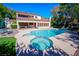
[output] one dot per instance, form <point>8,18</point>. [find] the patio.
<point>62,42</point>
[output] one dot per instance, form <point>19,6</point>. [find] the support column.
<point>36,24</point>
<point>49,24</point>
<point>18,27</point>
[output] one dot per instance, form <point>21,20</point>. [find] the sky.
<point>42,9</point>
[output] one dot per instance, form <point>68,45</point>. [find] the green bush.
<point>13,26</point>
<point>55,25</point>
<point>7,46</point>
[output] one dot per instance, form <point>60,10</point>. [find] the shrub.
<point>7,46</point>
<point>13,26</point>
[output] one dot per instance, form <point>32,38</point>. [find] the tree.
<point>5,12</point>
<point>69,13</point>
<point>58,18</point>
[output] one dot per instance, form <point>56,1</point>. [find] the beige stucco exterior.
<point>25,20</point>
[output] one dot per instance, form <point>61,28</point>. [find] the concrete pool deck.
<point>66,47</point>
<point>24,37</point>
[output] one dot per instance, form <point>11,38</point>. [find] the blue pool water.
<point>42,41</point>
<point>47,33</point>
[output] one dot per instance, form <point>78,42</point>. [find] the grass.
<point>7,46</point>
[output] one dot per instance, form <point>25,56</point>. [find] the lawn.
<point>7,46</point>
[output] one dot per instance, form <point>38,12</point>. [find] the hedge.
<point>13,26</point>
<point>7,46</point>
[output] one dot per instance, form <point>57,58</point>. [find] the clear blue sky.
<point>42,9</point>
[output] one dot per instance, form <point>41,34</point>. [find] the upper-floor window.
<point>25,16</point>
<point>35,16</point>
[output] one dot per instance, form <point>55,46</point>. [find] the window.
<point>32,16</point>
<point>43,24</point>
<point>30,23</point>
<point>35,16</point>
<point>27,16</point>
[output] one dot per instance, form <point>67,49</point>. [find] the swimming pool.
<point>42,41</point>
<point>2,30</point>
<point>47,33</point>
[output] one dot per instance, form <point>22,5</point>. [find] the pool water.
<point>2,30</point>
<point>47,33</point>
<point>41,43</point>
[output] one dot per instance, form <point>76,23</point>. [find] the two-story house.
<point>27,20</point>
